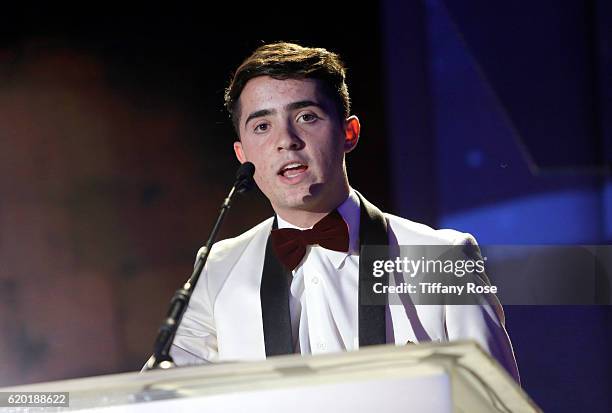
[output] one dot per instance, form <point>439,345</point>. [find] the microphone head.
<point>245,171</point>
<point>244,177</point>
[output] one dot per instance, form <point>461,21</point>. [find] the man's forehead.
<point>264,92</point>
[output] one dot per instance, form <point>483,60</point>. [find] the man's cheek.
<point>258,180</point>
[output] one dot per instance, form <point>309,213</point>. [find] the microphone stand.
<point>161,358</point>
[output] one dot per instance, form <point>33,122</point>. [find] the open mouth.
<point>292,170</point>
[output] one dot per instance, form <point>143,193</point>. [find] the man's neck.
<point>307,217</point>
<point>303,219</point>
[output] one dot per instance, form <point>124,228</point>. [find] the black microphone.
<point>165,336</point>
<point>246,171</point>
<point>244,177</point>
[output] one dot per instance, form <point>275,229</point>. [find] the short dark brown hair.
<point>283,60</point>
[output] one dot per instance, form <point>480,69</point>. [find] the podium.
<point>424,378</point>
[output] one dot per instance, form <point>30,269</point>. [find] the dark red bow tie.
<point>290,244</point>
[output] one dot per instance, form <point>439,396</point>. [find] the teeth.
<point>288,172</point>
<point>290,166</point>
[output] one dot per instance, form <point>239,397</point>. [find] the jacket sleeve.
<point>196,337</point>
<point>484,323</point>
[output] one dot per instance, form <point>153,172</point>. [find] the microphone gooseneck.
<point>165,336</point>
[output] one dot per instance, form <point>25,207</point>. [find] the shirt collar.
<point>349,210</point>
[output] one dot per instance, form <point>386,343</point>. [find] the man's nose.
<point>289,139</point>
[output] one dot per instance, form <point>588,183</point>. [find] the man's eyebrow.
<point>259,114</point>
<point>302,104</point>
<point>291,106</point>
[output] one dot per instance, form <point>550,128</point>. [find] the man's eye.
<point>262,127</point>
<point>308,117</point>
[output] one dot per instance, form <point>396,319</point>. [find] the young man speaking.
<point>291,283</point>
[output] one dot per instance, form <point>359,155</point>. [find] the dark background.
<point>493,118</point>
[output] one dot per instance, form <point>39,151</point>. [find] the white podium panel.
<point>436,378</point>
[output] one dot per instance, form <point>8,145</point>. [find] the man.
<point>276,291</point>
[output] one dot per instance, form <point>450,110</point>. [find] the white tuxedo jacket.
<point>224,319</point>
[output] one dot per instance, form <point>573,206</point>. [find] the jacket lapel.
<point>372,231</point>
<point>237,310</point>
<point>274,293</point>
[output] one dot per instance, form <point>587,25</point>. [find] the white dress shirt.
<point>324,290</point>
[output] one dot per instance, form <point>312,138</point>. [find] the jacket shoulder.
<point>225,254</point>
<point>233,247</point>
<point>409,232</point>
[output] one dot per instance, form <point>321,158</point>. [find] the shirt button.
<point>315,280</point>
<point>322,346</point>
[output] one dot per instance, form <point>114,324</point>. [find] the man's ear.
<point>239,152</point>
<point>351,133</point>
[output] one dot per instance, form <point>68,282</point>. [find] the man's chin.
<point>294,201</point>
<point>304,198</point>
<point>309,203</point>
<point>297,204</point>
